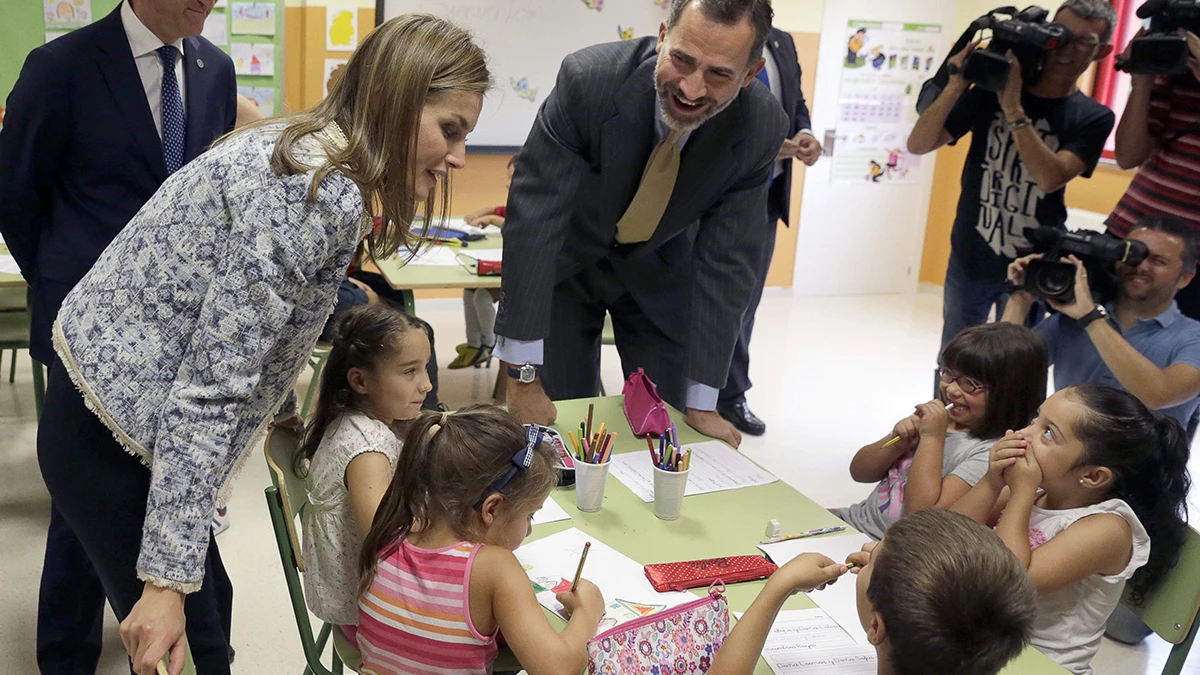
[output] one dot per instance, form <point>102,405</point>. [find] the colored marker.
<point>802,535</point>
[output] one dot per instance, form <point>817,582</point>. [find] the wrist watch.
<point>1091,317</point>
<point>525,374</point>
<point>1021,123</point>
<point>952,69</point>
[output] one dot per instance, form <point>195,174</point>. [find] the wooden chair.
<point>1170,609</point>
<point>286,499</point>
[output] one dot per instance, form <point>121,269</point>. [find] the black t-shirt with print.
<point>999,197</point>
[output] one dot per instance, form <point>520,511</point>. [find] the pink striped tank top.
<point>416,616</point>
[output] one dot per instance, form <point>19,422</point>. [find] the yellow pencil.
<point>162,670</point>
<point>579,570</point>
<point>574,443</point>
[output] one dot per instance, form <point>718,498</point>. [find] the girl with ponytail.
<point>441,581</point>
<point>1090,497</point>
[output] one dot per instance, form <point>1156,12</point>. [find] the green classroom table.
<point>10,280</point>
<point>409,277</point>
<point>734,518</point>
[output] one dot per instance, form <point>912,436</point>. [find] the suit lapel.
<point>785,60</point>
<point>197,79</point>
<point>627,140</point>
<point>115,59</point>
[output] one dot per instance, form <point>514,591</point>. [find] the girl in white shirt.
<point>375,378</point>
<point>1078,496</point>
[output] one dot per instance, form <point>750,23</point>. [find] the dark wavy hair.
<point>362,337</point>
<point>443,476</point>
<point>1148,456</point>
<point>1011,360</point>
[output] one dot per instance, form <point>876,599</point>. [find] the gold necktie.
<point>650,202</point>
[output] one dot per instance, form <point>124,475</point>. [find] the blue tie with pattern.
<point>766,80</point>
<point>174,123</point>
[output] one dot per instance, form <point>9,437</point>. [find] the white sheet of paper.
<point>551,563</point>
<point>435,256</point>
<point>550,512</point>
<point>809,642</point>
<point>493,254</point>
<point>8,265</point>
<point>715,467</point>
<point>840,599</point>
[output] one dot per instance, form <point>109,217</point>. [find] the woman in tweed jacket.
<point>195,323</point>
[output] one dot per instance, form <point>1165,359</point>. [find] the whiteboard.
<point>526,41</point>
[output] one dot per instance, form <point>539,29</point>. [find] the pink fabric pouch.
<point>683,639</point>
<point>645,410</point>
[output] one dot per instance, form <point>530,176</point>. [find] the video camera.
<point>1055,280</point>
<point>1027,33</point>
<point>1163,51</point>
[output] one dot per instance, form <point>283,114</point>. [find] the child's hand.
<point>807,572</point>
<point>1025,475</point>
<point>934,420</point>
<point>473,217</point>
<point>860,558</point>
<point>586,598</point>
<point>489,219</point>
<point>1005,453</point>
<point>907,430</point>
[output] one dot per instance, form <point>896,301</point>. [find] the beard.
<point>667,91</point>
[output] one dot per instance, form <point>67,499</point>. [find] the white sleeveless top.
<point>1070,621</point>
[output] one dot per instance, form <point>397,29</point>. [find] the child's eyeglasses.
<point>965,383</point>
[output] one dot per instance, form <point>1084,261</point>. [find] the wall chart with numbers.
<point>881,75</point>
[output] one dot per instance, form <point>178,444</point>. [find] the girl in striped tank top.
<point>440,577</point>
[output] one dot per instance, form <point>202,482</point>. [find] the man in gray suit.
<point>641,192</point>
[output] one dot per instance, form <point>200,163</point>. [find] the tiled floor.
<point>831,374</point>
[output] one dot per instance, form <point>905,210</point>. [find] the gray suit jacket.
<point>580,169</point>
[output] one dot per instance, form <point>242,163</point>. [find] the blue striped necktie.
<point>174,124</point>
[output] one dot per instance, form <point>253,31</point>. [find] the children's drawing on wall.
<point>522,88</point>
<point>625,33</point>
<point>597,5</point>
<point>60,14</point>
<point>341,29</point>
<point>253,58</point>
<point>333,72</point>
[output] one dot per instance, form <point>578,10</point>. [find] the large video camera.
<point>1163,51</point>
<point>1027,33</point>
<point>1055,280</point>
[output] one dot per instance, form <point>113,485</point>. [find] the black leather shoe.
<point>739,415</point>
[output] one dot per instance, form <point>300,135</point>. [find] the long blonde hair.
<point>377,102</point>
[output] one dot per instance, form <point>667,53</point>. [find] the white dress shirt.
<point>145,44</point>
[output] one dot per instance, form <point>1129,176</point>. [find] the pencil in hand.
<point>579,570</point>
<point>896,439</point>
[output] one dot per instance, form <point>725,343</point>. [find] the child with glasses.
<point>993,378</point>
<point>438,566</point>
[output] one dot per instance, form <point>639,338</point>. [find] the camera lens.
<point>1055,281</point>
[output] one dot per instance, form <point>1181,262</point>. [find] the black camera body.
<point>1027,33</point>
<point>1053,279</point>
<point>1163,51</point>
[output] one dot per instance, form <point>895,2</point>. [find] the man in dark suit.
<point>96,122</point>
<point>641,192</point>
<point>782,76</point>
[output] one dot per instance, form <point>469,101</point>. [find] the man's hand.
<point>372,296</point>
<point>788,149</point>
<point>529,402</point>
<point>960,58</point>
<point>1083,303</point>
<point>1010,97</point>
<point>1193,51</point>
<point>709,423</point>
<point>153,627</point>
<point>810,148</point>
<point>1018,267</point>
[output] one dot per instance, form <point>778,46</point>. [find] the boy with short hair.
<point>940,594</point>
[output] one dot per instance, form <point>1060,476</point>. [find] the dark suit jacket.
<point>80,155</point>
<point>783,49</point>
<point>580,169</point>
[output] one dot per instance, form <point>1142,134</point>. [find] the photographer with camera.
<point>1159,133</point>
<point>1140,341</point>
<point>1028,141</point>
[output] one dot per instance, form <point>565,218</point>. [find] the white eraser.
<point>773,528</point>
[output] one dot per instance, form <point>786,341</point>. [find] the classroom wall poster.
<point>263,97</point>
<point>882,72</point>
<point>341,28</point>
<point>67,14</point>
<point>216,30</point>
<point>253,58</point>
<point>332,67</point>
<point>253,18</point>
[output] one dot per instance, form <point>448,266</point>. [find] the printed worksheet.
<point>715,467</point>
<point>809,642</point>
<point>839,600</point>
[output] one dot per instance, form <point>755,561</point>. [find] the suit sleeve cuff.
<point>806,131</point>
<point>519,352</point>
<point>701,396</point>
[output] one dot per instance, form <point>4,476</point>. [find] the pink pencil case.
<point>644,408</point>
<point>683,639</point>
